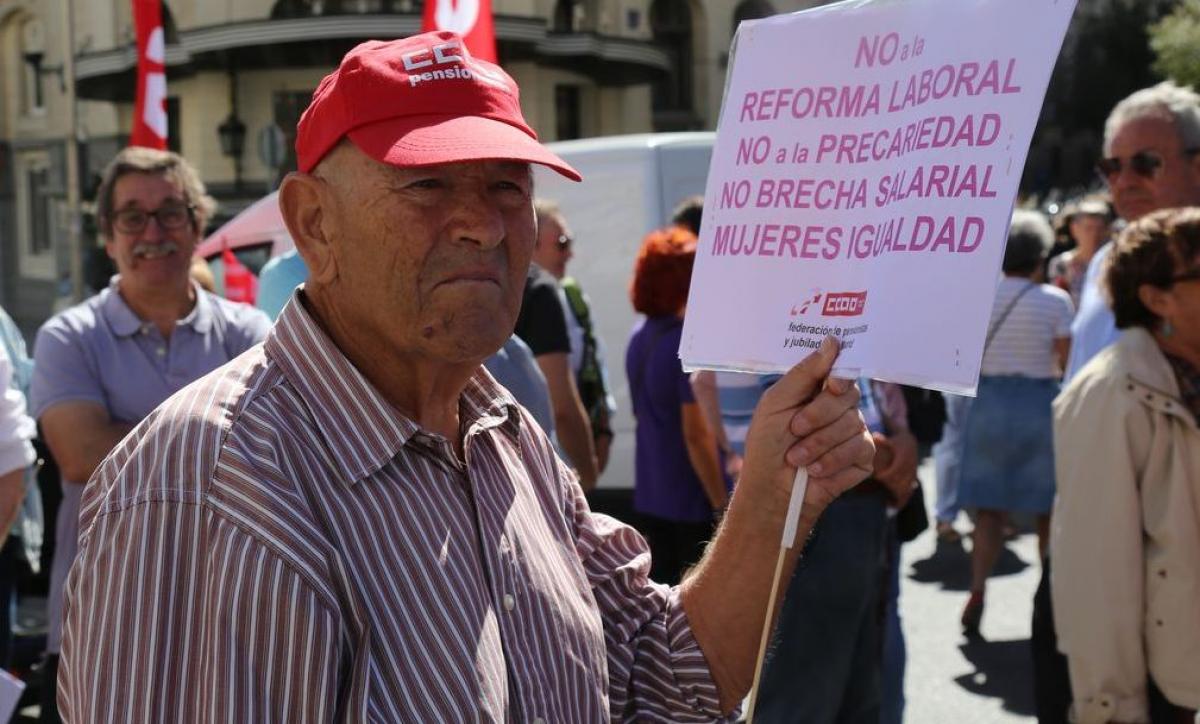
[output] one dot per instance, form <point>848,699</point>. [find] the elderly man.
<point>1151,161</point>
<point>355,522</point>
<point>102,366</point>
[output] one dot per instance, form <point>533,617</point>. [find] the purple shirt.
<point>100,351</point>
<point>665,485</point>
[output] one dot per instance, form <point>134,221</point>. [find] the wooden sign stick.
<point>791,523</point>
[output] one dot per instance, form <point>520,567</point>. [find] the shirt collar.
<point>124,322</point>
<point>486,405</point>
<point>201,317</point>
<point>362,430</point>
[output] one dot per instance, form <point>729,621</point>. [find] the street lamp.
<point>233,137</point>
<point>232,133</point>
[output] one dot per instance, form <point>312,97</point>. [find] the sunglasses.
<point>1144,163</point>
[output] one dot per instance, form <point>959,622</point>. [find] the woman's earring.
<point>1166,330</point>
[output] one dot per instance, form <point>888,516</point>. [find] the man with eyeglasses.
<point>103,365</point>
<point>544,326</point>
<point>1151,162</point>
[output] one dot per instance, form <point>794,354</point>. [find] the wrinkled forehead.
<point>1153,127</point>
<point>138,188</point>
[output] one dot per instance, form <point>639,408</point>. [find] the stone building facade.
<point>585,67</point>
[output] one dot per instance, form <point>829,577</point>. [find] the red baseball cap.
<point>420,101</point>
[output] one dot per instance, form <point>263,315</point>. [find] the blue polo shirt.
<point>100,351</point>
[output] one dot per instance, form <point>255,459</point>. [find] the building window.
<point>36,229</point>
<point>173,140</point>
<point>568,116</point>
<point>751,10</point>
<point>564,16</point>
<point>296,9</point>
<point>170,31</point>
<point>311,8</point>
<point>33,55</point>
<point>671,26</point>
<point>288,107</point>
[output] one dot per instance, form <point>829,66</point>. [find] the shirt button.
<point>161,351</point>
<point>509,602</point>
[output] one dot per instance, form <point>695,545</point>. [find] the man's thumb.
<point>804,380</point>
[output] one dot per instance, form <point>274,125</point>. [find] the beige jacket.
<point>1125,538</point>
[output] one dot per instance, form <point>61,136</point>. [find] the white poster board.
<point>867,159</point>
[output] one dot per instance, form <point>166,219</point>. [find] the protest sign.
<point>866,162</point>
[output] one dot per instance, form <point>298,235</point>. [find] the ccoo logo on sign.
<point>844,304</point>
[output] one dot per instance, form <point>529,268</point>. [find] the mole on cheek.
<point>427,332</point>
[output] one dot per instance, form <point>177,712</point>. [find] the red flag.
<point>150,110</point>
<point>240,284</point>
<point>472,19</point>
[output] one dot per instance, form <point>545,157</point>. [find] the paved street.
<point>948,679</point>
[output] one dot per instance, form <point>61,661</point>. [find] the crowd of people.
<point>369,498</point>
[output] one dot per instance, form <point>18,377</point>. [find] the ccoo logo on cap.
<point>419,101</point>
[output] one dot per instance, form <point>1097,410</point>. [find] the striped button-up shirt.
<point>276,542</point>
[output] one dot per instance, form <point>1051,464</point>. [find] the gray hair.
<point>136,159</point>
<point>1029,240</point>
<point>1167,100</point>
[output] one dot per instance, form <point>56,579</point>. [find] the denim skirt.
<point>1008,446</point>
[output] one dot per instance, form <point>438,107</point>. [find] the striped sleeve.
<point>174,614</point>
<point>656,670</point>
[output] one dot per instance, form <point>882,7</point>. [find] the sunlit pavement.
<point>948,679</point>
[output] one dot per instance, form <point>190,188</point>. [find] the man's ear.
<point>1154,299</point>
<point>304,203</point>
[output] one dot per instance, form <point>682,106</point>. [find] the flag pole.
<point>74,219</point>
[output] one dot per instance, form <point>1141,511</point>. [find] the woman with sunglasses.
<point>1126,538</point>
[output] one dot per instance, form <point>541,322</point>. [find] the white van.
<point>630,186</point>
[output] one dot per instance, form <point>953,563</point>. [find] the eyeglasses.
<point>564,242</point>
<point>168,216</point>
<point>1144,163</point>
